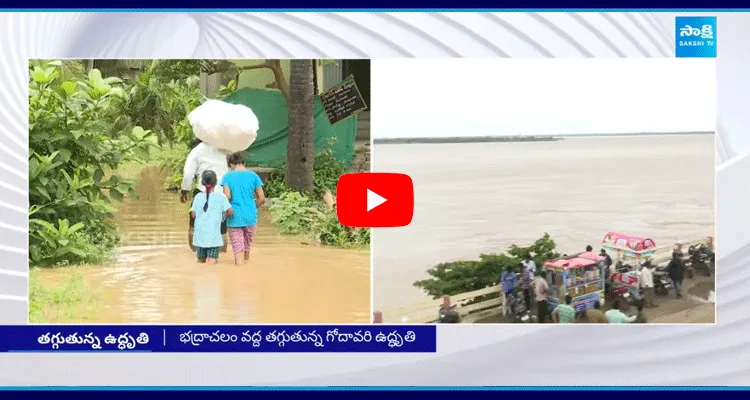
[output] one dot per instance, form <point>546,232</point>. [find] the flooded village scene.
<point>564,200</point>
<point>110,238</point>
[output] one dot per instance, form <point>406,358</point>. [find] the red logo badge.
<point>375,200</point>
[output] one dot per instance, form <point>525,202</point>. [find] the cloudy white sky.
<point>479,97</point>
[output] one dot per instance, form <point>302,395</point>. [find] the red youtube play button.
<point>375,200</point>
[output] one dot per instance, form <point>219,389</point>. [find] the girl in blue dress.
<point>209,210</point>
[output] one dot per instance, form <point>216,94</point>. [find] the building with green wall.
<point>328,73</point>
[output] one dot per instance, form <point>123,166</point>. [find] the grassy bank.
<point>69,299</point>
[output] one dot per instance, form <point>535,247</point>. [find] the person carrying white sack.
<point>203,157</point>
<point>220,129</point>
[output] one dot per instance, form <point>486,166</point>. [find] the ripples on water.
<point>155,278</point>
<point>482,197</point>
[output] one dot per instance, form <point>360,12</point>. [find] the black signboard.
<point>342,101</point>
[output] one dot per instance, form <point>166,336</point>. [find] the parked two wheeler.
<point>614,290</point>
<point>449,315</point>
<point>702,259</point>
<point>517,307</point>
<point>623,268</point>
<point>662,283</point>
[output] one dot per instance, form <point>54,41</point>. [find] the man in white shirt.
<point>529,264</point>
<point>647,284</point>
<point>203,157</point>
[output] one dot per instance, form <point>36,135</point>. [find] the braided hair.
<point>209,180</point>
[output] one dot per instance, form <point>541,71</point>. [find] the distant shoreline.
<point>466,139</point>
<point>518,138</point>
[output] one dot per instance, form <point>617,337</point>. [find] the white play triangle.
<point>374,200</point>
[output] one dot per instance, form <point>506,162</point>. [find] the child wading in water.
<point>244,190</point>
<point>209,211</point>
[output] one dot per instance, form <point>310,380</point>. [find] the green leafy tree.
<point>162,96</point>
<point>75,152</point>
<point>466,276</point>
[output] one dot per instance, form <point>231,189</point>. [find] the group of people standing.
<point>225,203</point>
<point>675,272</point>
<point>535,287</point>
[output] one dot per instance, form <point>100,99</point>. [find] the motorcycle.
<point>687,263</point>
<point>517,307</point>
<point>622,268</point>
<point>449,315</point>
<point>662,283</point>
<point>702,259</point>
<point>615,291</point>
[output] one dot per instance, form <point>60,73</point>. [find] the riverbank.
<point>526,138</point>
<point>691,308</point>
<point>465,139</point>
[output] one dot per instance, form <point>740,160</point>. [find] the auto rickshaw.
<point>582,277</point>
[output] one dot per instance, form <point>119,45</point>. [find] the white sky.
<point>487,97</point>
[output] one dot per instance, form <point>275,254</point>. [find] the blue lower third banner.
<point>219,339</point>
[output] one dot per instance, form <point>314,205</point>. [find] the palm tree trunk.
<point>300,153</point>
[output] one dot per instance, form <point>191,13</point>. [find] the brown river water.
<point>476,198</point>
<point>155,278</point>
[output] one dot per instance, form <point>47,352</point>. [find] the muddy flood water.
<point>155,278</point>
<point>479,198</point>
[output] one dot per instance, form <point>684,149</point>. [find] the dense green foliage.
<point>76,146</point>
<point>160,99</point>
<point>326,173</point>
<point>305,213</point>
<point>466,276</point>
<point>298,214</point>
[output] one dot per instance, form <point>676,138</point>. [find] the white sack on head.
<point>226,127</point>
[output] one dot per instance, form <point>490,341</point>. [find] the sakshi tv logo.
<point>695,37</point>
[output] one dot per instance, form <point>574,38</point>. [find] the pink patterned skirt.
<point>241,238</point>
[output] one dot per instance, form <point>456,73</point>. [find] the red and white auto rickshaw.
<point>623,280</point>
